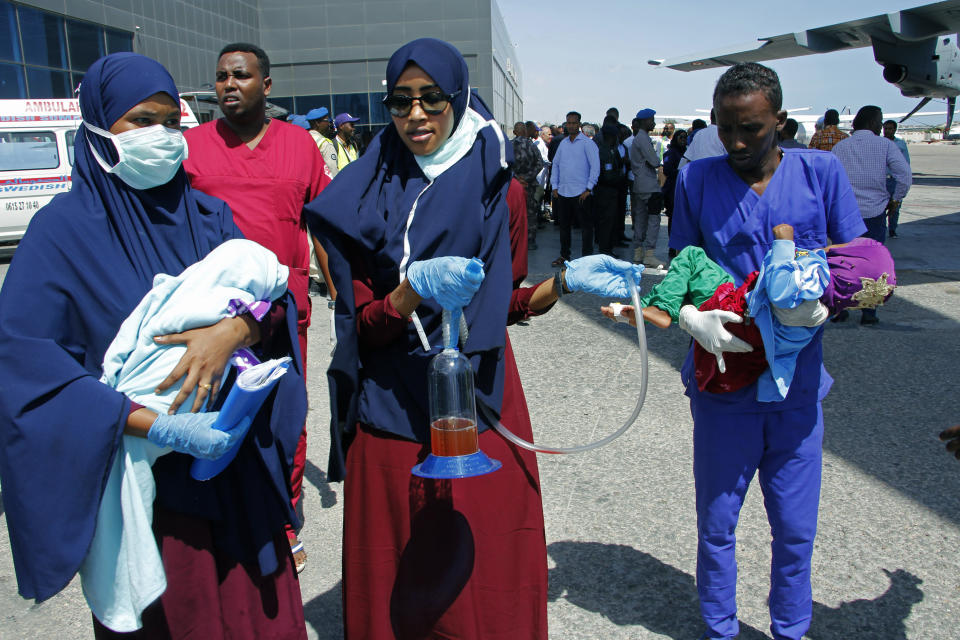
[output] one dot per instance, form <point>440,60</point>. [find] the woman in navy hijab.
<point>459,558</point>
<point>83,265</point>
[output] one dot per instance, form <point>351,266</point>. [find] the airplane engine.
<point>920,69</point>
<point>894,73</point>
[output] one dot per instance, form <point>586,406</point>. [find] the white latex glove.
<point>809,313</point>
<point>706,327</point>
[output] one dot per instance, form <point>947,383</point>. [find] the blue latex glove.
<point>450,280</point>
<point>601,275</point>
<point>191,433</point>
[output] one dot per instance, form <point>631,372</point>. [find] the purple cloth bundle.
<point>862,275</point>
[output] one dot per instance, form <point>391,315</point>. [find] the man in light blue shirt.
<point>576,168</point>
<point>869,158</point>
<point>893,213</point>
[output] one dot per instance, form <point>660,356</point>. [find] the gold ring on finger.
<point>207,386</point>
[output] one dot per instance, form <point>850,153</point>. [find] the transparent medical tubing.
<point>642,340</point>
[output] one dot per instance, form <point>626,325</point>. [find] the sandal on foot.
<point>299,556</point>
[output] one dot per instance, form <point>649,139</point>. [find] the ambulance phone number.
<point>28,205</point>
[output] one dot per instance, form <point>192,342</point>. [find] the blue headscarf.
<point>149,224</point>
<point>443,63</point>
<point>362,216</point>
<point>84,263</point>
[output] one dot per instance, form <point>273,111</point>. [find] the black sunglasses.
<point>432,103</point>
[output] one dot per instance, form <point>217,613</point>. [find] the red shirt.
<point>266,187</point>
<point>742,368</point>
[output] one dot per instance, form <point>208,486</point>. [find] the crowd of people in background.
<point>590,177</point>
<point>644,163</point>
<point>377,217</point>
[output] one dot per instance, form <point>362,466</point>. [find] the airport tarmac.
<point>620,521</point>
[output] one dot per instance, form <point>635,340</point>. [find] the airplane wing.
<point>918,23</point>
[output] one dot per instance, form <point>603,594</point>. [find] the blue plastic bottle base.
<point>475,464</point>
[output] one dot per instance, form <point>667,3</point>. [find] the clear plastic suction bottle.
<point>454,446</point>
<point>453,409</point>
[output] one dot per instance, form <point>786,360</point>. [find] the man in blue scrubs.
<point>728,205</point>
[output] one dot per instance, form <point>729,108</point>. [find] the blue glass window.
<point>86,44</point>
<point>71,137</point>
<point>366,134</point>
<point>43,39</point>
<point>305,103</point>
<point>356,104</point>
<point>25,150</point>
<point>284,103</point>
<point>9,39</point>
<point>54,52</point>
<point>49,83</point>
<point>378,113</point>
<point>12,84</point>
<point>119,41</point>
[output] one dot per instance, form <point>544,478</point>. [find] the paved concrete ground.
<point>620,520</point>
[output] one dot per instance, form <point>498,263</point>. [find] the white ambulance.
<point>36,156</point>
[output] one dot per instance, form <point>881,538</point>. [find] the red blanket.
<point>742,368</point>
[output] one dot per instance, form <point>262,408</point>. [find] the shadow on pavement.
<point>630,587</point>
<point>324,613</point>
<point>318,478</point>
<point>888,401</point>
<point>926,276</point>
<point>879,619</point>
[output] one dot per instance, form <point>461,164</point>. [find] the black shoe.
<point>841,317</point>
<point>869,320</point>
<point>317,289</point>
<point>893,234</point>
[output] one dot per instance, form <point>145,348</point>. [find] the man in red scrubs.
<point>266,170</point>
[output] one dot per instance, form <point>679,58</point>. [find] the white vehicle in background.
<point>36,157</point>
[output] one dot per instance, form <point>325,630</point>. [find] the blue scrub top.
<point>716,210</point>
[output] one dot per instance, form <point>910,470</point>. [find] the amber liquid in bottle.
<point>453,437</point>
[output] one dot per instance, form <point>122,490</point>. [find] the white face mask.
<point>148,156</point>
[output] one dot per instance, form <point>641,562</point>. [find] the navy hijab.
<point>84,263</point>
<point>361,219</point>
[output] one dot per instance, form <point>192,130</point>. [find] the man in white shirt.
<point>576,168</point>
<point>542,143</point>
<point>706,145</point>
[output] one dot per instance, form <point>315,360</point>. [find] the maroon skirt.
<point>210,596</point>
<point>457,559</point>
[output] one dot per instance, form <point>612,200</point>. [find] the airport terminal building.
<point>322,52</point>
